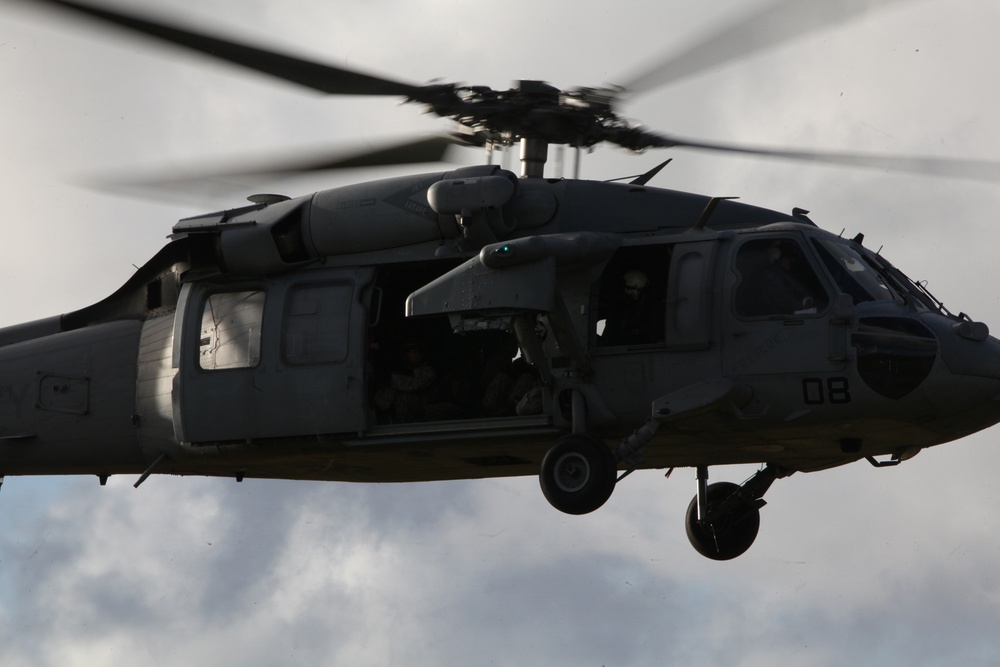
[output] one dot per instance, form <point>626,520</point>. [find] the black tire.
<point>731,537</point>
<point>578,474</point>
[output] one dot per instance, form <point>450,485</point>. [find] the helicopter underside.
<point>516,446</point>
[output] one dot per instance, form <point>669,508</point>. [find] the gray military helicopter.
<point>478,323</point>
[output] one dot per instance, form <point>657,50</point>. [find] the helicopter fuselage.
<point>272,341</point>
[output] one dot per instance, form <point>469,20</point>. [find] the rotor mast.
<point>534,152</point>
<point>539,104</point>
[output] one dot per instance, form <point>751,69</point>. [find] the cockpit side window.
<point>776,279</point>
<point>854,276</point>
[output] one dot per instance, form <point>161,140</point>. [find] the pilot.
<point>785,284</point>
<point>639,320</point>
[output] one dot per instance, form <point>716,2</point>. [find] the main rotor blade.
<point>972,170</point>
<point>229,180</point>
<point>429,149</point>
<point>778,23</point>
<point>324,78</point>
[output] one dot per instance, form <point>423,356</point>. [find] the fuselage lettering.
<point>834,390</point>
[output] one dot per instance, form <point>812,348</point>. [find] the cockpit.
<point>816,295</point>
<point>780,276</point>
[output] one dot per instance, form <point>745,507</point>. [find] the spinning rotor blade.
<point>973,170</point>
<point>324,78</point>
<point>431,149</point>
<point>228,181</point>
<point>781,22</point>
<point>541,114</point>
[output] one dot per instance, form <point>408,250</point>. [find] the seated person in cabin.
<point>403,399</point>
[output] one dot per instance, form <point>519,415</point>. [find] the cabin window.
<point>317,321</point>
<point>776,279</point>
<point>230,330</point>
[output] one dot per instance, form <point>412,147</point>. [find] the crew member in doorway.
<point>639,319</point>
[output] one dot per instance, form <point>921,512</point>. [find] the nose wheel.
<point>578,474</point>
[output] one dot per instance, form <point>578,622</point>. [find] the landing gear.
<point>578,474</point>
<point>731,533</point>
<point>723,519</point>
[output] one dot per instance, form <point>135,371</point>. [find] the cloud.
<point>194,571</point>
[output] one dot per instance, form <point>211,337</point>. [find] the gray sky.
<point>852,566</point>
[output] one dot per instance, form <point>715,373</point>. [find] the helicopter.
<point>477,323</point>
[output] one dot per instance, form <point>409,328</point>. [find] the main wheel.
<point>729,537</point>
<point>578,474</point>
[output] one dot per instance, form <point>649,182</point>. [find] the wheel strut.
<point>702,493</point>
<point>749,495</point>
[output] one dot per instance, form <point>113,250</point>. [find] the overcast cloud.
<point>852,566</point>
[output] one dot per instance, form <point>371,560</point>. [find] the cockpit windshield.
<point>853,274</point>
<point>915,292</point>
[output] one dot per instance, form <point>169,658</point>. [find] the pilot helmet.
<point>635,283</point>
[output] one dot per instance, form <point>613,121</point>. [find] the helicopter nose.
<point>968,349</point>
<point>967,389</point>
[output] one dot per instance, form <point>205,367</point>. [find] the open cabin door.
<point>530,287</point>
<point>272,358</point>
